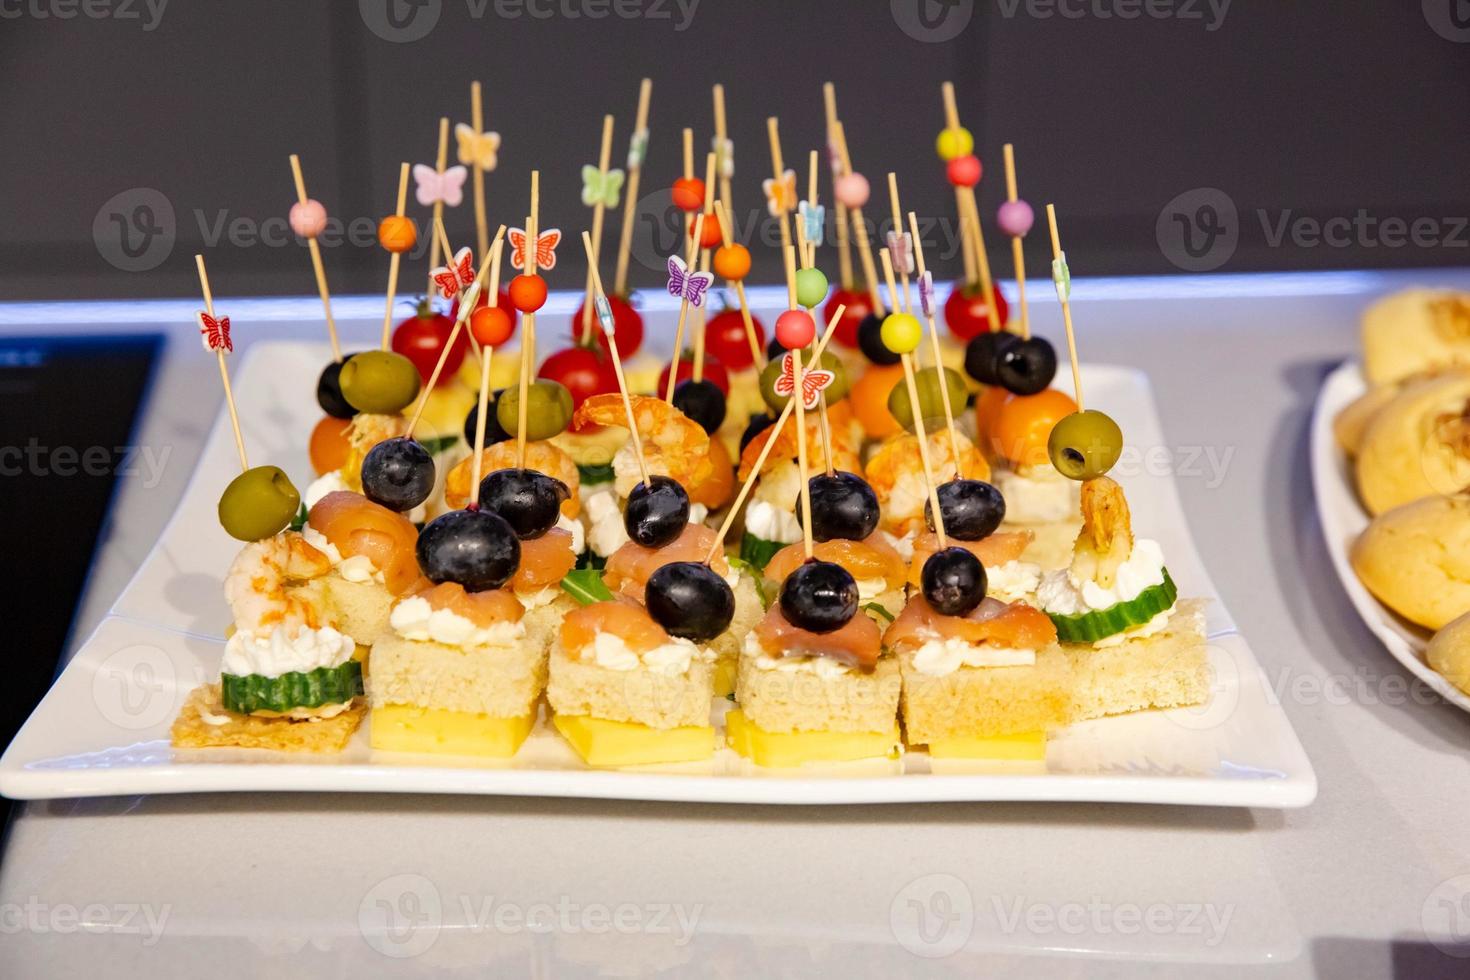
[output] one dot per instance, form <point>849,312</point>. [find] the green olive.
<point>836,391</point>
<point>1085,445</point>
<point>548,409</point>
<point>379,381</point>
<point>930,402</point>
<point>258,503</point>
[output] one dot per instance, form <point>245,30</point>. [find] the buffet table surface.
<point>346,885</point>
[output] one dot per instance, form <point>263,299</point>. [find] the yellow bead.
<point>953,143</point>
<point>901,332</point>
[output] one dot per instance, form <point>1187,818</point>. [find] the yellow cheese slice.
<point>1027,746</point>
<point>407,728</point>
<point>780,750</point>
<point>605,743</point>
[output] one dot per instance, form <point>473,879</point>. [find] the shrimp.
<point>264,585</point>
<point>896,473</point>
<point>1106,539</point>
<point>540,456</point>
<point>845,442</point>
<point>673,444</point>
<point>365,432</point>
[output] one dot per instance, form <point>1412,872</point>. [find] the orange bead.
<point>527,293</point>
<point>328,447</point>
<point>732,262</point>
<point>491,326</point>
<point>1023,425</point>
<point>869,399</point>
<point>397,233</point>
<point>688,194</point>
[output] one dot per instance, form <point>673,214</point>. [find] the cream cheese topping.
<point>1063,593</point>
<point>871,588</point>
<point>1038,495</point>
<point>414,619</point>
<point>903,544</point>
<point>605,532</point>
<point>358,568</point>
<point>1156,625</point>
<point>670,659</point>
<point>941,657</point>
<point>765,520</point>
<point>541,597</point>
<point>323,485</point>
<point>575,529</point>
<point>824,667</point>
<point>277,652</point>
<point>1013,581</point>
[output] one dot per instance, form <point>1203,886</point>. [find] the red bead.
<point>491,326</point>
<point>709,232</point>
<point>528,293</point>
<point>689,194</point>
<point>795,328</point>
<point>964,171</point>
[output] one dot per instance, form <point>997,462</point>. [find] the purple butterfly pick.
<point>687,285</point>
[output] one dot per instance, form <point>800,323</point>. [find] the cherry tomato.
<point>1023,425</point>
<point>987,410</point>
<point>714,372</point>
<point>725,340</point>
<point>328,448</point>
<point>716,491</point>
<point>858,306</point>
<point>422,336</point>
<point>584,372</point>
<point>966,313</point>
<point>627,327</point>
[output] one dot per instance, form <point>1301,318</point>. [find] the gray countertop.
<point>296,885</point>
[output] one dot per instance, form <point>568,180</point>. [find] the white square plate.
<point>103,727</point>
<point>1343,519</point>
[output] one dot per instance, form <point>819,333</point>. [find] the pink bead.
<point>795,328</point>
<point>308,218</point>
<point>852,190</point>
<point>964,171</point>
<point>1015,218</point>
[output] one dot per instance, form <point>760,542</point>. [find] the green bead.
<point>811,287</point>
<point>1085,445</point>
<point>834,392</point>
<point>930,401</point>
<point>901,332</point>
<point>548,409</point>
<point>953,143</point>
<point>380,382</point>
<point>258,503</point>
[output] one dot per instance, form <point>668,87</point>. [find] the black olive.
<point>329,391</point>
<point>972,509</point>
<point>702,401</point>
<point>475,548</point>
<point>954,581</point>
<point>983,352</point>
<point>656,514</point>
<point>819,597</point>
<point>1027,366</point>
<point>530,501</point>
<point>398,473</point>
<point>688,599</point>
<point>843,506</point>
<point>870,340</point>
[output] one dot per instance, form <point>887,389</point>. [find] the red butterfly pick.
<point>459,274</point>
<point>813,381</point>
<point>214,334</point>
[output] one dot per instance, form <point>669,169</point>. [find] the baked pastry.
<point>1417,445</point>
<point>1415,331</point>
<point>1416,559</point>
<point>1449,652</point>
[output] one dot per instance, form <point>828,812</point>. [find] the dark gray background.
<point>1313,108</point>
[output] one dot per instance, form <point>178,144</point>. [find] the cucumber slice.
<point>758,552</point>
<point>311,689</point>
<point>591,476</point>
<point>1102,623</point>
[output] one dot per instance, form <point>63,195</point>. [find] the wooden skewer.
<point>604,157</point>
<point>688,137</point>
<point>757,355</point>
<point>396,257</point>
<point>778,171</point>
<point>224,374</point>
<point>723,136</point>
<point>798,396</point>
<point>701,320</point>
<point>316,263</point>
<point>908,304</point>
<point>860,230</point>
<point>485,353</point>
<point>967,244</point>
<point>468,300</point>
<point>954,438</point>
<point>683,310</point>
<point>477,123</point>
<point>635,174</point>
<point>965,199</point>
<point>917,409</point>
<point>440,163</point>
<point>770,443</point>
<point>528,321</point>
<point>823,427</point>
<point>811,199</point>
<point>1018,253</point>
<point>1064,293</point>
<point>612,346</point>
<point>844,246</point>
